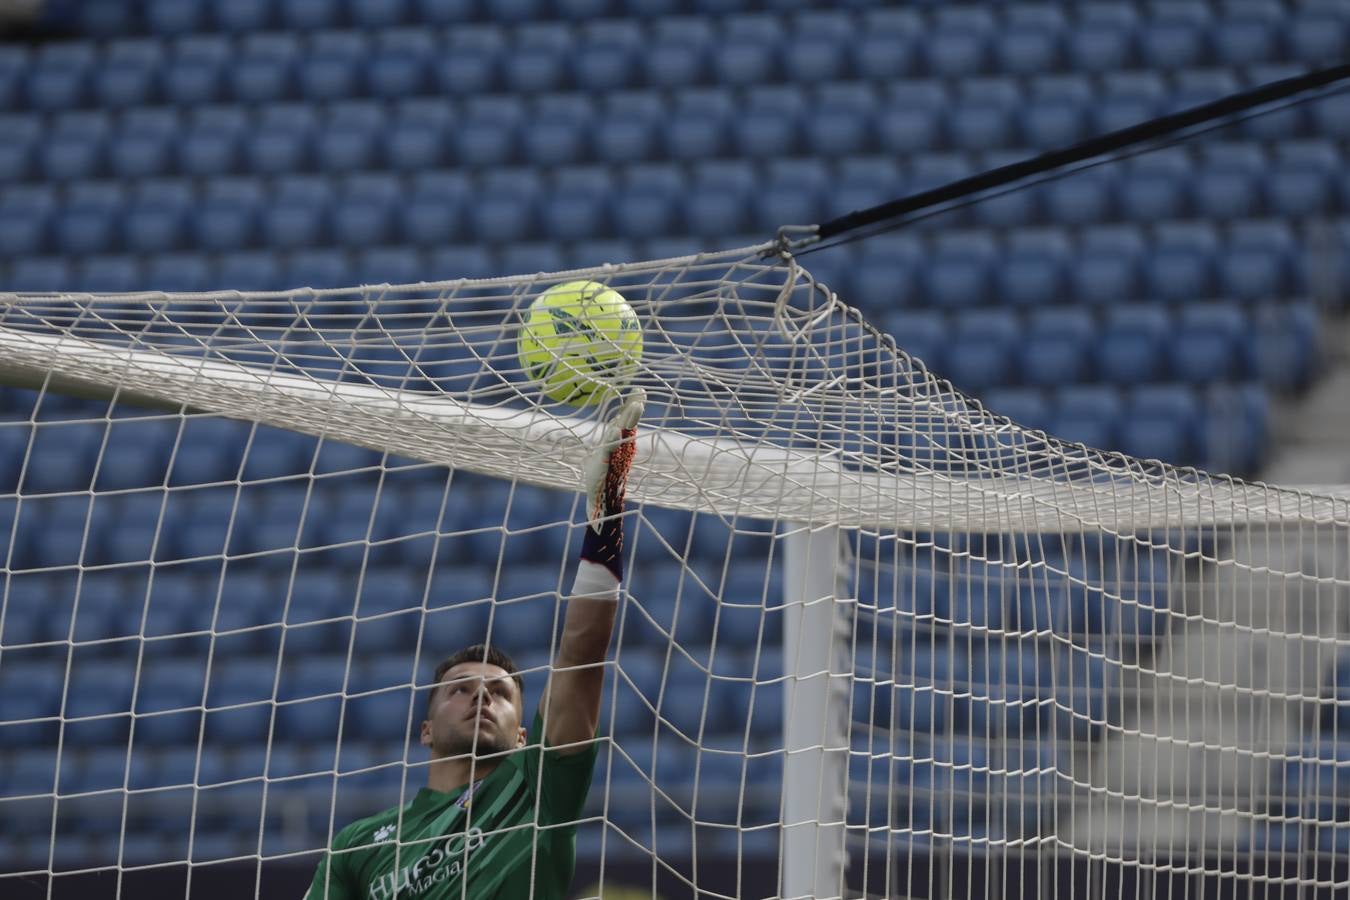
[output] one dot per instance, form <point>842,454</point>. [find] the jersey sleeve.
<point>333,878</point>
<point>562,779</point>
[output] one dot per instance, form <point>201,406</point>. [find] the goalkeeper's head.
<point>476,706</point>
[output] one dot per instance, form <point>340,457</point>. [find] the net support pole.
<point>818,665</point>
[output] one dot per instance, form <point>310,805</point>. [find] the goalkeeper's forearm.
<point>591,606</point>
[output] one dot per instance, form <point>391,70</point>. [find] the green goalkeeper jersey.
<point>477,843</point>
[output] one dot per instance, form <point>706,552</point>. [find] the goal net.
<point>875,639</point>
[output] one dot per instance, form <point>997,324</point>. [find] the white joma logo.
<point>383,832</point>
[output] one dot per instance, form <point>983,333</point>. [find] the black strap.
<point>1098,146</point>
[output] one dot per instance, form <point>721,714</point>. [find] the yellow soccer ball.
<point>580,342</point>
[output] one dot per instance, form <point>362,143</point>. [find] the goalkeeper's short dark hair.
<point>479,653</point>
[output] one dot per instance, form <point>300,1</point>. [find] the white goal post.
<point>1004,657</point>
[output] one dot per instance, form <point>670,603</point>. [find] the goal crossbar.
<point>673,470</point>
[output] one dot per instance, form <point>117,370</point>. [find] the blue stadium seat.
<point>346,148</point>
<point>1228,192</point>
<point>1025,406</point>
<point>739,63</point>
<point>603,66</point>
<point>982,354</point>
<point>126,83</point>
<point>531,69</point>
<point>1210,343</point>
<point>1088,415</point>
<point>466,71</point>
<point>112,274</point>
<point>17,159</point>
<point>1245,41</point>
<point>244,16</point>
<point>178,272</point>
<point>1181,267</point>
<point>786,203</point>
<point>695,135</point>
<point>574,215</point>
<point>884,281</point>
<point>958,277</point>
<point>629,137</point>
<point>1167,45</point>
<point>1303,181</point>
<point>54,86</point>
<point>69,156</point>
<point>193,81</point>
<point>1285,345</point>
<point>902,128</point>
<point>1133,345</point>
<point>1129,98</point>
<point>249,271</point>
<point>1100,44</point>
<point>276,151</point>
<point>413,146</point>
<point>1194,88</point>
<point>259,80</point>
<point>885,57</point>
<point>766,133</point>
<point>557,140</point>
<point>485,142</point>
<point>645,213</point>
<point>396,73</point>
<point>24,231</point>
<point>674,64</point>
<point>309,721</point>
<point>1031,277</point>
<point>390,265</point>
<point>294,224</point>
<point>1316,36</point>
<point>956,52</point>
<point>1235,432</point>
<point>60,458</point>
<point>981,127</point>
<point>1329,116</point>
<point>226,221</point>
<point>41,274</point>
<point>1057,348</point>
<point>922,335</point>
<point>99,687</point>
<point>390,715</point>
<point>815,58</point>
<point>1080,199</point>
<point>87,226</point>
<point>152,228</point>
<point>328,76</point>
<point>1052,123</point>
<point>1157,188</point>
<point>1028,49</point>
<point>1161,424</point>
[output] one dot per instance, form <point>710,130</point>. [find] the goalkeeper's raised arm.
<point>572,701</point>
<point>499,812</point>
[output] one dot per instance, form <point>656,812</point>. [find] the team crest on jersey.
<point>384,832</point>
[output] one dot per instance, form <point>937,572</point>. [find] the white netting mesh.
<point>213,631</point>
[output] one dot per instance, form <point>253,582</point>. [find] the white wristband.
<point>595,582</point>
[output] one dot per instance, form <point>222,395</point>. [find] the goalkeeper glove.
<point>605,475</point>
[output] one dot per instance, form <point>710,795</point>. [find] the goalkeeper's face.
<point>476,711</point>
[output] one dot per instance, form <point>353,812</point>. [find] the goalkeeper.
<point>493,820</point>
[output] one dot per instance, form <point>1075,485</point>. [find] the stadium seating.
<point>1148,306</point>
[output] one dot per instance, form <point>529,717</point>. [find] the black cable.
<point>1099,146</point>
<point>1020,185</point>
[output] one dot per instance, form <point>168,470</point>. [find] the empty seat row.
<point>752,49</point>
<point>1203,343</point>
<point>519,205</point>
<point>1043,97</point>
<point>1253,261</point>
<point>78,147</point>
